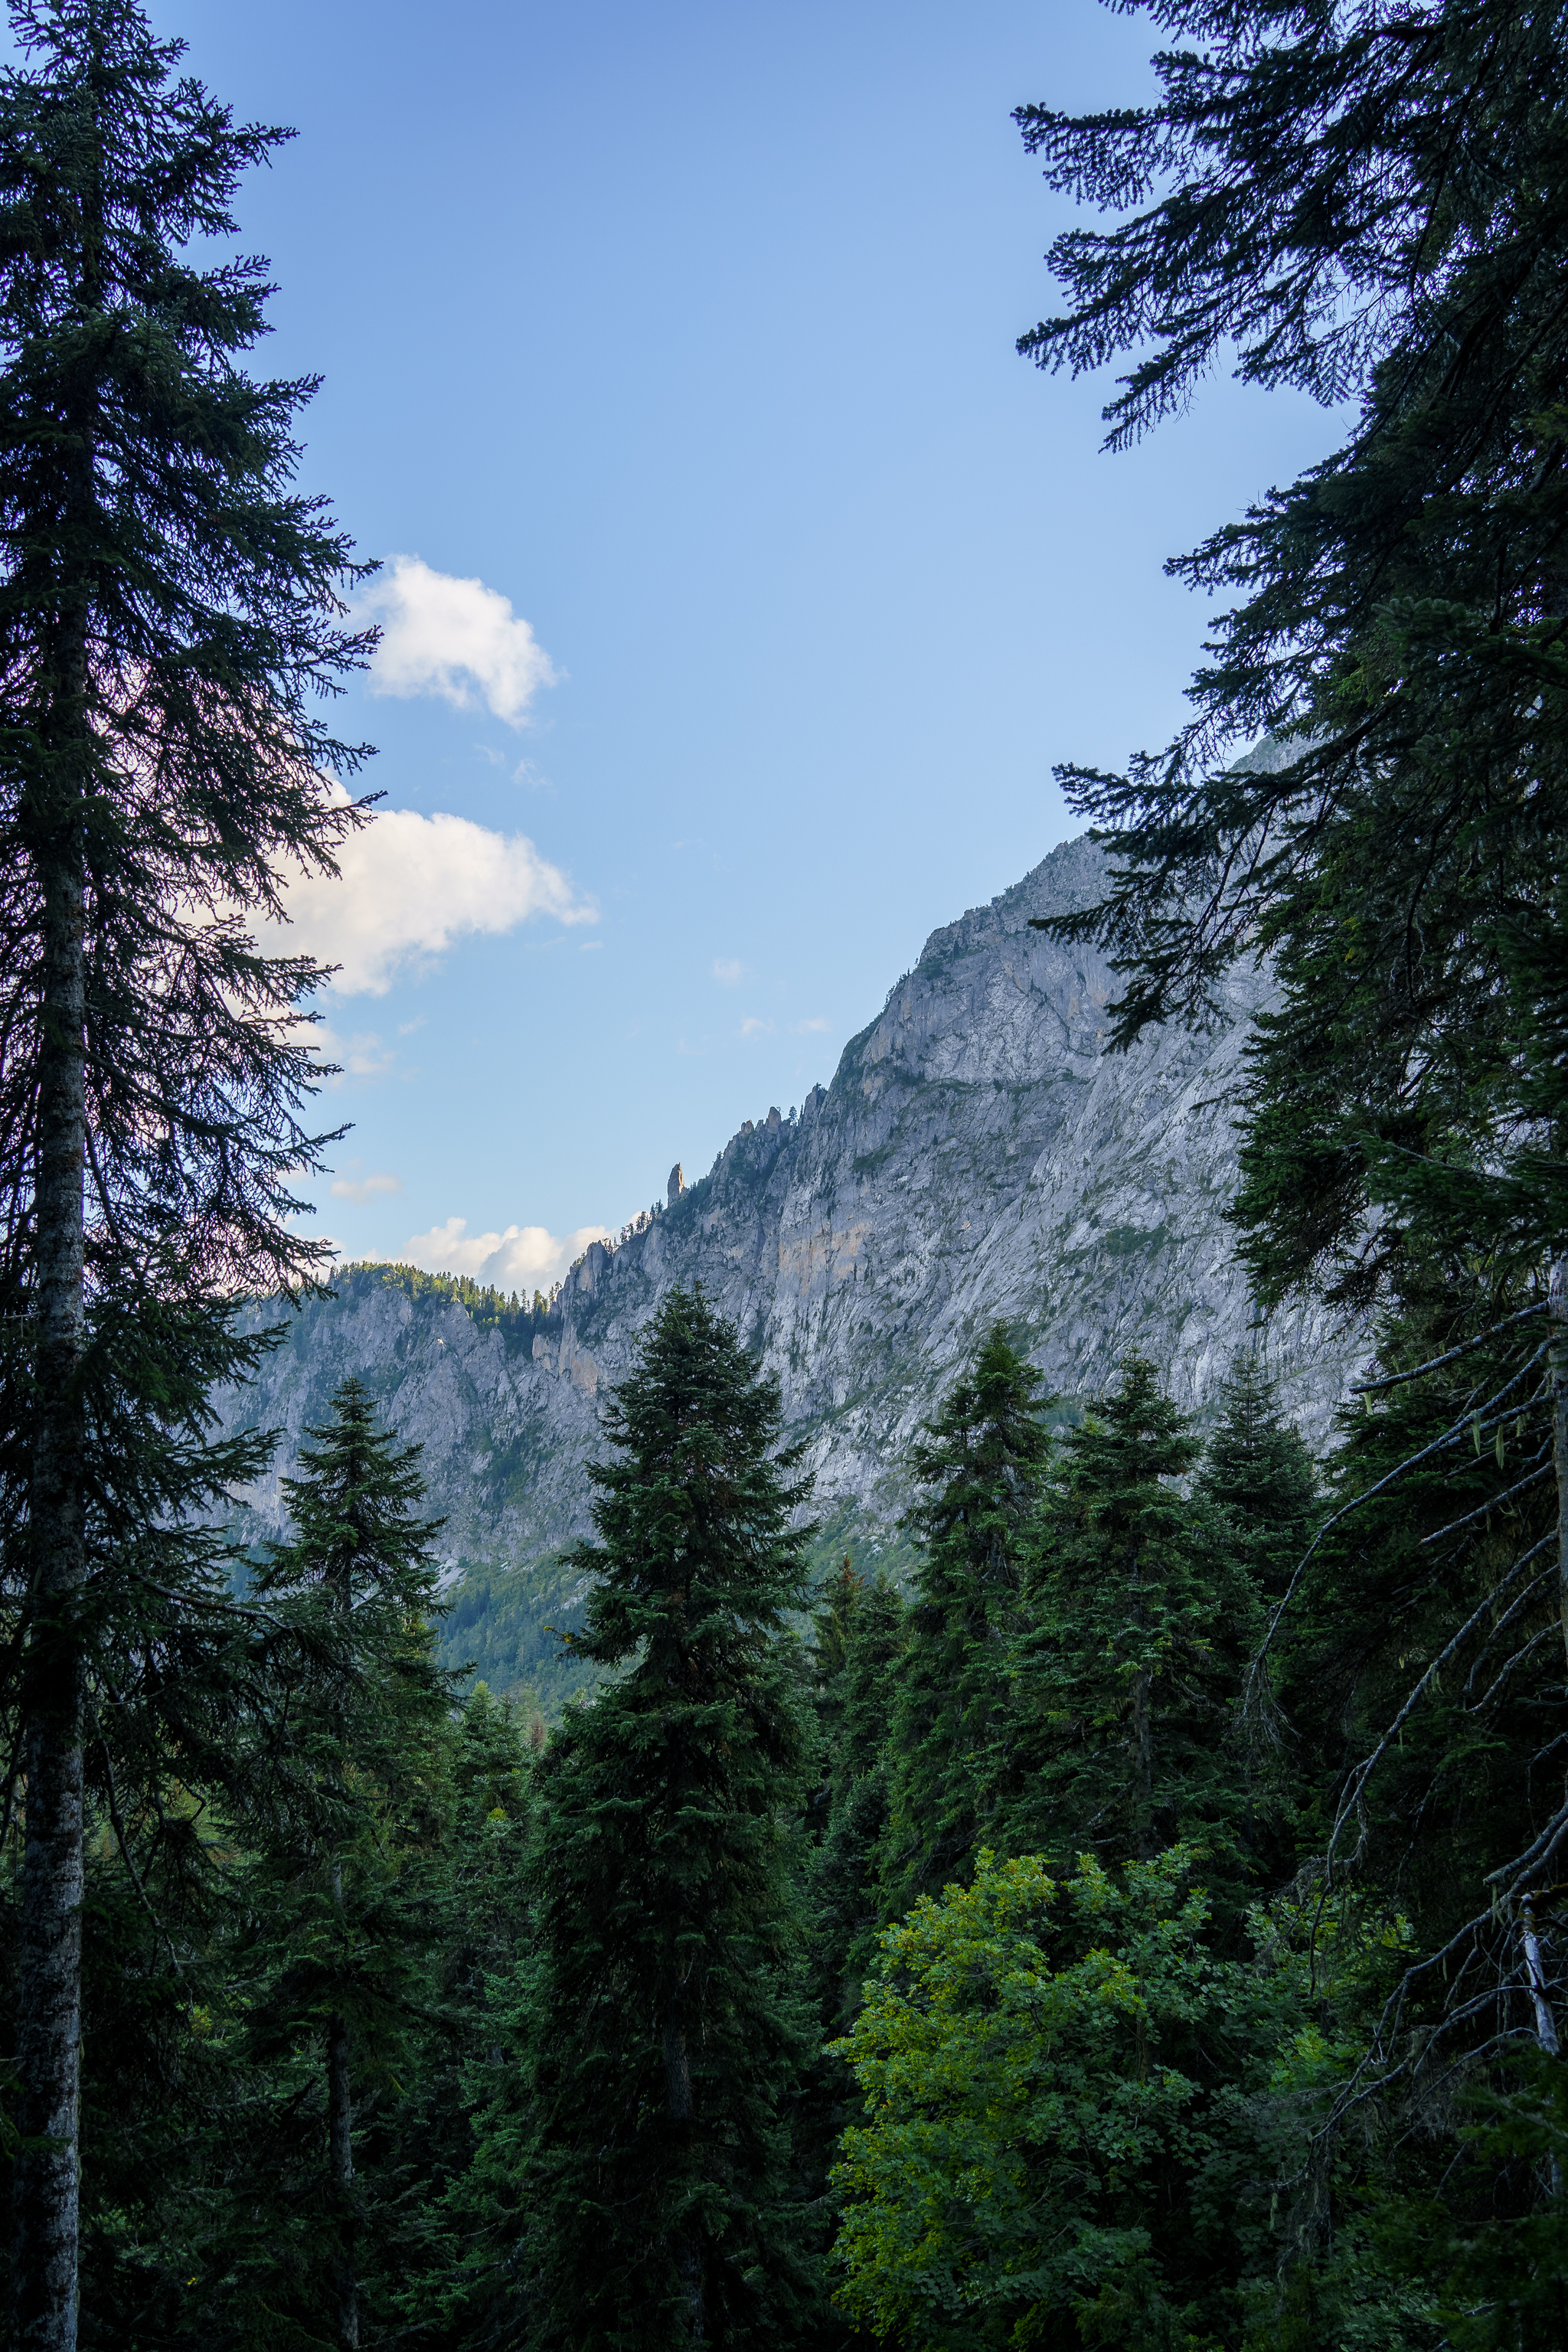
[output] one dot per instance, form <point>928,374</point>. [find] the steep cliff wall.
<point>979,1154</point>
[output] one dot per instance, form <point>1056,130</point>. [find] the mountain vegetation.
<point>1141,1926</point>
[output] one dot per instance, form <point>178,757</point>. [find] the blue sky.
<point>685,337</point>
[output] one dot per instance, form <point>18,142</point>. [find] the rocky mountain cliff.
<point>979,1154</point>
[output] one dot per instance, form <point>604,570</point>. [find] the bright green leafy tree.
<point>1027,2056</point>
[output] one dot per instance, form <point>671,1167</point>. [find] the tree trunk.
<point>340,2157</point>
<point>677,2071</point>
<point>46,2187</point>
<point>688,2245</point>
<point>1535,1976</point>
<point>1144,1757</point>
<point>1546,2023</point>
<point>340,2128</point>
<point>1142,1728</point>
<point>1557,1319</point>
<point>689,2263</point>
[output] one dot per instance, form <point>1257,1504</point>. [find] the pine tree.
<point>169,606</point>
<point>861,1640</point>
<point>345,1914</point>
<point>986,1456</point>
<point>835,1622</point>
<point>435,2237</point>
<point>663,2024</point>
<point>1258,1471</point>
<point>1140,1628</point>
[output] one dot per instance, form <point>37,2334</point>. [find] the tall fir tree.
<point>438,2215</point>
<point>170,606</point>
<point>664,2020</point>
<point>1258,1471</point>
<point>346,1923</point>
<point>985,1460</point>
<point>1141,1624</point>
<point>860,1634</point>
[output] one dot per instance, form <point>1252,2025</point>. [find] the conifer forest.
<point>1143,1924</point>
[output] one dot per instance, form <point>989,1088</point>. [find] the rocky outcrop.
<point>978,1155</point>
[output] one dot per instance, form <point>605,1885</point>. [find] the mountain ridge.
<point>979,1155</point>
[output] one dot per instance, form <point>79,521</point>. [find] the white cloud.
<point>751,1027</point>
<point>410,885</point>
<point>525,1257</point>
<point>363,1055</point>
<point>364,1187</point>
<point>448,637</point>
<point>727,971</point>
<point>806,1028</point>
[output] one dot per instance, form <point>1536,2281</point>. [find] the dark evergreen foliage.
<point>860,1638</point>
<point>1256,1470</point>
<point>344,1905</point>
<point>985,1459</point>
<point>1181,1868</point>
<point>663,2022</point>
<point>1139,1624</point>
<point>1372,207</point>
<point>171,610</point>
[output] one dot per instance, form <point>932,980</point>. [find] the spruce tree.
<point>170,606</point>
<point>1141,1624</point>
<point>834,1620</point>
<point>984,1458</point>
<point>861,1640</point>
<point>345,1914</point>
<point>434,2197</point>
<point>663,2022</point>
<point>1256,1470</point>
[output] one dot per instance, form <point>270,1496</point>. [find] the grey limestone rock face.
<point>978,1155</point>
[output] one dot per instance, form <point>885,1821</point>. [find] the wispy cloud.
<point>753,1027</point>
<point>523,1257</point>
<point>363,1055</point>
<point>728,971</point>
<point>408,886</point>
<point>456,638</point>
<point>364,1187</point>
<point>809,1028</point>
